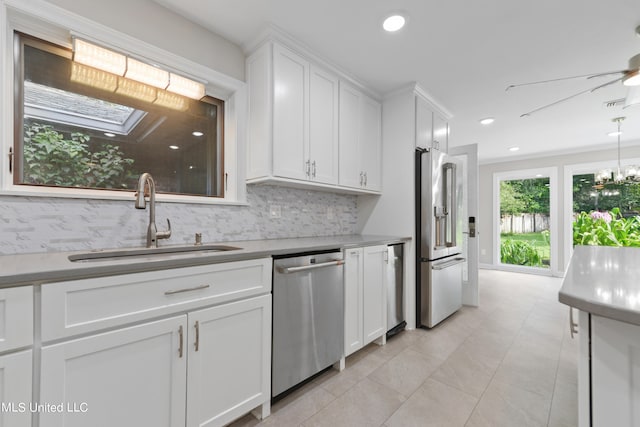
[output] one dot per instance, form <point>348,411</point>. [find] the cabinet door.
<point>424,124</point>
<point>323,126</point>
<point>16,317</point>
<point>229,361</point>
<point>440,133</point>
<point>134,377</point>
<point>374,292</point>
<point>15,389</point>
<point>371,143</point>
<point>615,372</point>
<point>353,339</point>
<point>349,128</point>
<point>290,113</point>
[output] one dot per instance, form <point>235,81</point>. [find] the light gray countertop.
<point>604,280</point>
<point>38,268</point>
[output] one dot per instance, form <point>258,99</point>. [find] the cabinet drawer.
<point>81,306</point>
<point>16,317</point>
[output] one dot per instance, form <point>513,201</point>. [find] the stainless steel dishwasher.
<point>308,317</point>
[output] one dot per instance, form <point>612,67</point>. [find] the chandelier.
<point>630,173</point>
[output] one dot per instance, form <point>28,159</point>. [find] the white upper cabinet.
<point>424,124</point>
<point>360,140</point>
<point>297,125</point>
<point>371,143</point>
<point>293,119</point>
<point>323,126</point>
<point>440,133</point>
<point>350,171</point>
<point>432,128</point>
<point>290,114</point>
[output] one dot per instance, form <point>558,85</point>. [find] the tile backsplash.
<point>36,224</point>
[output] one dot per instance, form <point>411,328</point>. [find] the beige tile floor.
<point>509,362</point>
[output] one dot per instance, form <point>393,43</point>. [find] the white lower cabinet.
<point>15,389</point>
<point>229,370</point>
<point>365,296</point>
<point>615,373</point>
<point>181,347</point>
<point>133,376</point>
<point>210,366</point>
<point>608,372</point>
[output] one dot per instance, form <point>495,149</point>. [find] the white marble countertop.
<point>604,280</point>
<point>39,268</point>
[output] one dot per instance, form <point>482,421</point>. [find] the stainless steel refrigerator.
<point>439,261</point>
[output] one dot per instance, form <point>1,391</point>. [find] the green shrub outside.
<point>606,229</point>
<point>519,252</point>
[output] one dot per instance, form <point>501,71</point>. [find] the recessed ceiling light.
<point>393,23</point>
<point>514,148</point>
<point>174,147</point>
<point>197,133</point>
<point>538,175</point>
<point>616,133</point>
<point>109,134</point>
<point>487,121</point>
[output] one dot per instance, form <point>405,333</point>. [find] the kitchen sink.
<point>110,255</point>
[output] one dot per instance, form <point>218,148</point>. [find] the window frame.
<point>35,19</point>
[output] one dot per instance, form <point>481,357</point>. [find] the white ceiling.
<point>465,53</point>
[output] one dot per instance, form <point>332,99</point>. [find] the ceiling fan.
<point>629,77</point>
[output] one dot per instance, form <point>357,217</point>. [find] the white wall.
<point>485,226</point>
<point>152,23</point>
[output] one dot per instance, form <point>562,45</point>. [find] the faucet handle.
<point>164,234</point>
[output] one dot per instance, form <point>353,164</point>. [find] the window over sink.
<point>79,127</point>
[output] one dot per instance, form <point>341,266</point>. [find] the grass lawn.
<point>536,239</point>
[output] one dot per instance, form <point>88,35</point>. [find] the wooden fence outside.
<point>524,223</point>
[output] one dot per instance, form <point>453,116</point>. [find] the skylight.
<point>60,106</point>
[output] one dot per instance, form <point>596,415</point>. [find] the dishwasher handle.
<point>288,270</point>
<point>447,264</point>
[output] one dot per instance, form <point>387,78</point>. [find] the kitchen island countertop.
<point>605,281</point>
<point>39,268</point>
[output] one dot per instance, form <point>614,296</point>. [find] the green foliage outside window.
<point>606,229</point>
<point>519,252</point>
<point>53,158</point>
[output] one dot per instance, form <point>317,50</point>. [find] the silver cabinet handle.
<point>573,327</point>
<point>181,347</point>
<point>179,291</point>
<point>308,168</point>
<point>361,178</point>
<point>288,270</point>
<point>197,343</point>
<point>313,169</point>
<point>365,179</point>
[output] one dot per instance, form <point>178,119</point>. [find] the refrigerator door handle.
<point>447,264</point>
<point>449,190</point>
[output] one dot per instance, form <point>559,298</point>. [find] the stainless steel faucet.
<point>153,235</point>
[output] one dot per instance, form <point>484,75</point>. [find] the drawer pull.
<point>197,343</point>
<point>196,288</point>
<point>181,341</point>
